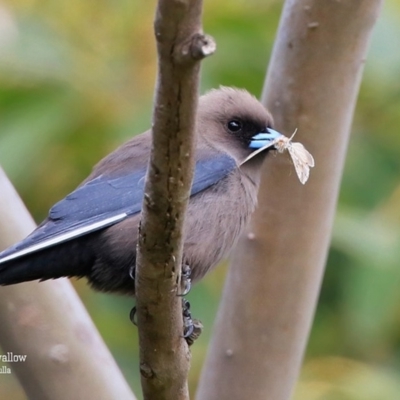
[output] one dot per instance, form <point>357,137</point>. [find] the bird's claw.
<point>132,316</point>
<point>187,319</point>
<point>196,332</point>
<point>132,272</point>
<point>192,328</point>
<point>186,282</point>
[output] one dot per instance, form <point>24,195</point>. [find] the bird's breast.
<point>216,217</point>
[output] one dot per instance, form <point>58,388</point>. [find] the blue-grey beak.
<point>263,138</point>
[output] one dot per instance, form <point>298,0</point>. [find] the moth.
<point>302,158</point>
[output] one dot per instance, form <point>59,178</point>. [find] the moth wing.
<point>303,154</point>
<point>301,162</point>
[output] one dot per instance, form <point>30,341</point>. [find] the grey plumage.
<point>93,231</point>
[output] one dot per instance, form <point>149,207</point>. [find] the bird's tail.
<point>69,259</point>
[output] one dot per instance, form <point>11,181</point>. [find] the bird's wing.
<point>103,202</point>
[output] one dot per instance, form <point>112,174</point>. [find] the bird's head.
<point>234,121</point>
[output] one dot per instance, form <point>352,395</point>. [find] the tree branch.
<point>66,357</point>
<point>164,355</point>
<point>274,280</point>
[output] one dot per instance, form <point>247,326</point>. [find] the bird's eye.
<point>234,125</point>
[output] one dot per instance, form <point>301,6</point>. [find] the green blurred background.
<point>76,80</point>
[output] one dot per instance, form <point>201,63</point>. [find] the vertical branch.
<point>65,356</point>
<point>164,356</point>
<point>274,280</point>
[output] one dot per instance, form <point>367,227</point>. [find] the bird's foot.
<point>186,282</point>
<point>192,328</point>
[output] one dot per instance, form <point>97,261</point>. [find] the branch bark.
<point>66,357</point>
<point>164,355</point>
<point>273,283</point>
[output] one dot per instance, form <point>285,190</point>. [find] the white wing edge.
<point>65,237</point>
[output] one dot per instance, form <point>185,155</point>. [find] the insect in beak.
<point>301,157</point>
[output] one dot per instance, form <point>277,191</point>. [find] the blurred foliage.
<point>76,80</point>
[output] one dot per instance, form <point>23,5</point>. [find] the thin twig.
<point>164,355</point>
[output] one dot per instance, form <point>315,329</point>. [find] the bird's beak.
<point>263,139</point>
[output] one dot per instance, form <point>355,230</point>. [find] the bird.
<point>93,231</point>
